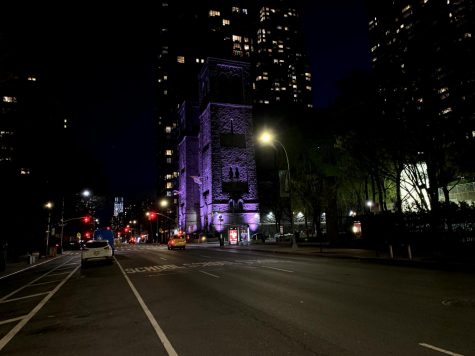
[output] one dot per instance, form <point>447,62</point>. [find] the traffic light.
<point>86,219</point>
<point>153,216</point>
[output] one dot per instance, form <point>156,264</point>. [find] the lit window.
<point>169,185</point>
<point>168,152</point>
<point>180,59</point>
<point>213,13</point>
<point>236,38</point>
<point>244,11</point>
<point>235,9</point>
<point>226,22</point>
<point>9,99</point>
<point>31,79</point>
<point>168,129</point>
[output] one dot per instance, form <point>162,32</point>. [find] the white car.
<point>96,250</point>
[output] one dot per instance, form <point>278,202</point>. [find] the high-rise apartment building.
<point>265,34</point>
<point>423,56</point>
<point>29,140</point>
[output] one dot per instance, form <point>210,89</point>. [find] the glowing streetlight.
<point>268,138</point>
<point>163,203</point>
<point>49,206</point>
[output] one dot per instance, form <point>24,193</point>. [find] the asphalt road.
<point>211,301</point>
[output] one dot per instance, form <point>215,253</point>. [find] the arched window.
<point>231,204</point>
<point>240,205</point>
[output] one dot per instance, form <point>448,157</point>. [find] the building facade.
<point>217,168</point>
<point>265,34</point>
<point>423,56</point>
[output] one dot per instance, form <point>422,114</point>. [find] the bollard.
<point>409,252</point>
<point>391,255</point>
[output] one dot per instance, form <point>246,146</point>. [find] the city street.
<point>230,301</point>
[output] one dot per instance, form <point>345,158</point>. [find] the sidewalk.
<point>446,263</point>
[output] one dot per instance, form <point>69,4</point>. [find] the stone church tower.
<point>227,181</point>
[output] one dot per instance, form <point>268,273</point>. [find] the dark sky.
<point>103,62</point>
<point>337,37</point>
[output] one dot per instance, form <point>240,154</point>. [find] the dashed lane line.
<point>158,330</point>
<point>435,348</point>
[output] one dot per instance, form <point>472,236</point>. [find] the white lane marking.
<point>33,281</point>
<point>32,266</point>
<point>11,320</point>
<point>25,297</point>
<point>209,274</point>
<point>432,347</point>
<point>158,330</point>
<point>6,339</point>
<point>278,269</point>
<point>163,258</point>
<point>42,283</point>
<point>58,274</point>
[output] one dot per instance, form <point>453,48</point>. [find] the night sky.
<point>102,61</point>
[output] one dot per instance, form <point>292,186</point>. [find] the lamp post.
<point>267,138</point>
<point>164,205</point>
<point>49,206</point>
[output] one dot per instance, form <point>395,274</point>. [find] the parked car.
<point>177,242</point>
<point>96,250</point>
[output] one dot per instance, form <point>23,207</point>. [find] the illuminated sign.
<point>233,236</point>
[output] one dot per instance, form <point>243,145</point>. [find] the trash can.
<point>32,259</point>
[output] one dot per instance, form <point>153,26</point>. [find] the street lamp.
<point>164,204</point>
<point>267,138</point>
<point>49,206</point>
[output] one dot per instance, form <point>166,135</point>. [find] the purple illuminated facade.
<point>217,167</point>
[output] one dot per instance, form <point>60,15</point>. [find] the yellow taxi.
<point>177,241</point>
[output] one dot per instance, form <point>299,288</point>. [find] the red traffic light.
<point>153,216</point>
<point>86,219</point>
